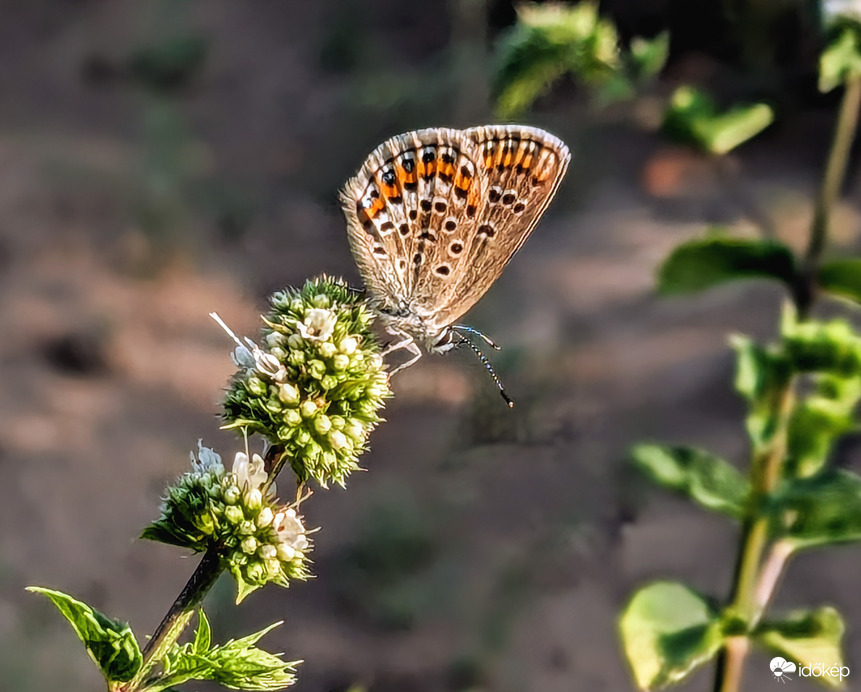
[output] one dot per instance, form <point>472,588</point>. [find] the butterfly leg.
<point>408,343</point>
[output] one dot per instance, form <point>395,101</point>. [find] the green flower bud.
<point>329,382</point>
<point>307,409</point>
<point>327,349</point>
<point>273,567</point>
<point>285,552</point>
<point>348,345</point>
<point>288,394</point>
<point>292,417</point>
<point>322,424</point>
<point>338,440</point>
<point>341,362</point>
<point>267,551</point>
<point>247,528</point>
<point>316,369</point>
<point>264,517</point>
<point>354,430</point>
<point>321,300</point>
<point>253,499</point>
<point>256,386</point>
<point>234,514</point>
<point>297,358</point>
<point>275,340</point>
<point>248,545</point>
<point>337,422</point>
<point>295,341</point>
<point>302,437</point>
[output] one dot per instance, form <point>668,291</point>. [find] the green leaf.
<point>761,377</point>
<point>831,348</point>
<point>548,42</point>
<point>842,277</point>
<point>110,643</point>
<point>808,638</point>
<point>700,264</point>
<point>237,664</point>
<point>648,56</point>
<point>693,117</point>
<point>821,510</point>
<point>705,478</point>
<point>667,631</point>
<point>721,134</point>
<point>841,59</point>
<point>814,426</point>
<point>244,588</point>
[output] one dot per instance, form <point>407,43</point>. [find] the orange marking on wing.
<point>378,205</point>
<point>463,182</point>
<point>521,152</point>
<point>507,160</point>
<point>405,176</point>
<point>488,155</point>
<point>447,169</point>
<point>473,199</point>
<point>497,160</point>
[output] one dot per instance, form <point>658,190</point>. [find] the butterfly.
<point>435,215</point>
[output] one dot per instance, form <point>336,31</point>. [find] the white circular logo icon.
<point>781,668</point>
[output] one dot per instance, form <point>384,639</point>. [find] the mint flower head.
<point>317,383</point>
<point>233,512</point>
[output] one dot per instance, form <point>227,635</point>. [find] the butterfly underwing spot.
<point>427,164</point>
<point>450,225</point>
<point>425,205</point>
<point>508,197</point>
<point>386,228</point>
<point>428,235</point>
<point>494,194</point>
<point>404,229</point>
<point>443,270</point>
<point>440,206</point>
<point>455,248</point>
<point>518,208</point>
<point>486,230</point>
<point>471,210</point>
<point>418,258</point>
<point>379,250</point>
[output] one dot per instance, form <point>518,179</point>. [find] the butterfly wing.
<point>521,168</point>
<point>414,195</point>
<point>434,215</point>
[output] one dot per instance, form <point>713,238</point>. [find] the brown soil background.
<point>511,539</point>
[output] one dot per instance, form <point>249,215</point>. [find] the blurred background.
<point>163,159</point>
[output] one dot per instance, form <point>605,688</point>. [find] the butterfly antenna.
<point>466,342</point>
<point>473,330</point>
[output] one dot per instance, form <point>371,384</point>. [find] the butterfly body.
<point>433,217</point>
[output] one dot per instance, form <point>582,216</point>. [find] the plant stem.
<point>755,580</point>
<point>765,472</point>
<point>832,182</point>
<point>198,585</point>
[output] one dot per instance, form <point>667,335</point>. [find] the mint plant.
<point>313,390</point>
<point>802,390</point>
